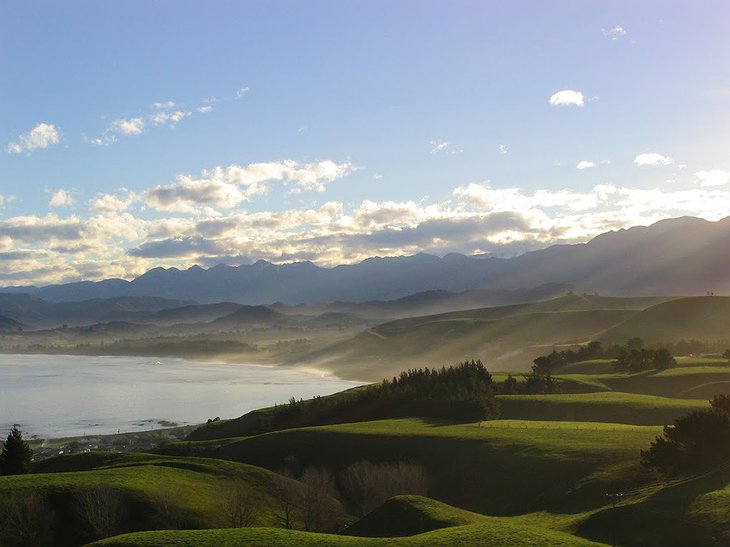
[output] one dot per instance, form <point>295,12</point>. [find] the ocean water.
<point>69,395</point>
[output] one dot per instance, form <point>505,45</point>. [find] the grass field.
<point>196,488</point>
<point>492,468</point>
<point>606,406</point>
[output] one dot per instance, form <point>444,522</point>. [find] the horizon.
<point>396,129</point>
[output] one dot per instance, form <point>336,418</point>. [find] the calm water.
<point>69,395</point>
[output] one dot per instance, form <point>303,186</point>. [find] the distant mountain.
<point>248,316</point>
<point>685,255</point>
<point>7,324</point>
<point>197,313</point>
<point>39,313</point>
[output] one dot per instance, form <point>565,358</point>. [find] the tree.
<point>366,485</point>
<point>726,355</point>
<point>510,385</point>
<point>698,440</point>
<point>319,508</point>
<point>101,509</point>
<point>634,344</point>
<point>16,456</point>
<point>27,519</point>
<point>240,506</point>
<point>663,359</point>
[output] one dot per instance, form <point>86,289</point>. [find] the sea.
<point>53,396</point>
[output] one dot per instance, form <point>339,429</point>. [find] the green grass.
<point>693,382</point>
<point>607,406</point>
<point>700,318</point>
<point>497,467</point>
<point>495,532</point>
<point>195,487</point>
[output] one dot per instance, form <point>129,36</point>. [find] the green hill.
<point>701,318</point>
<point>506,337</point>
<point>610,406</point>
<point>149,489</point>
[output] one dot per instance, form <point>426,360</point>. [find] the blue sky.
<point>139,134</point>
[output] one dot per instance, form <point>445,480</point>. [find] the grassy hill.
<point>609,406</point>
<point>506,337</point>
<point>581,453</point>
<point>701,318</point>
<point>194,489</point>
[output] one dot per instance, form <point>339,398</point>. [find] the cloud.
<point>125,233</point>
<point>164,106</point>
<point>714,177</point>
<point>226,187</point>
<point>110,203</point>
<point>614,33</point>
<point>130,126</point>
<point>171,118</point>
<point>567,97</point>
<point>205,109</point>
<point>241,91</point>
<point>503,148</point>
<point>652,158</point>
<point>41,136</point>
<point>440,146</point>
<point>178,248</point>
<point>61,198</point>
<point>585,164</point>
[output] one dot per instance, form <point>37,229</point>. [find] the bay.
<point>71,395</point>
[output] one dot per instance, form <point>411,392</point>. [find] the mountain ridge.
<point>684,255</point>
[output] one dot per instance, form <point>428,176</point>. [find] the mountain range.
<point>684,255</point>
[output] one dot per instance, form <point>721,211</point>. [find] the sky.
<point>141,134</point>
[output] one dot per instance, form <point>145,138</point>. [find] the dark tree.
<point>510,385</point>
<point>543,365</point>
<point>16,455</point>
<point>696,441</point>
<point>634,344</point>
<point>663,359</point>
<point>726,354</point>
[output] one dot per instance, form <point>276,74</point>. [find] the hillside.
<point>700,318</point>
<point>675,256</point>
<point>507,337</point>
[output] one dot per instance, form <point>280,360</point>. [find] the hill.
<point>39,313</point>
<point>700,318</point>
<point>7,324</point>
<point>675,256</point>
<point>250,316</point>
<point>150,491</point>
<point>506,337</point>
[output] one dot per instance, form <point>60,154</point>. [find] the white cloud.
<point>585,164</point>
<point>164,106</point>
<point>205,109</point>
<point>110,203</point>
<point>226,187</point>
<point>652,158</point>
<point>377,176</point>
<point>241,91</point>
<point>61,198</point>
<point>714,177</point>
<point>131,126</point>
<point>503,149</point>
<point>614,33</point>
<point>41,136</point>
<point>440,146</point>
<point>567,97</point>
<point>171,118</point>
